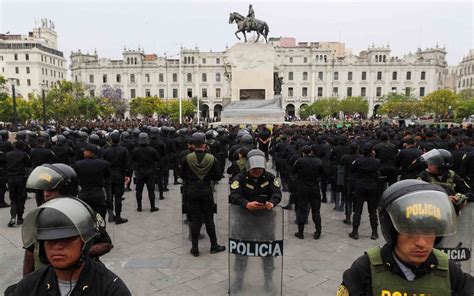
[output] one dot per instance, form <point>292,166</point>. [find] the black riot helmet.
<point>143,139</point>
<point>56,176</point>
<point>62,218</point>
<point>125,136</point>
<point>115,137</point>
<point>210,134</point>
<point>415,207</point>
<point>4,134</point>
<point>198,138</point>
<point>61,140</point>
<point>94,139</point>
<point>439,157</point>
<point>246,139</point>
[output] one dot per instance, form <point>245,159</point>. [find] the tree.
<point>145,106</point>
<point>187,108</point>
<point>23,109</point>
<point>353,105</point>
<point>441,102</point>
<point>115,96</point>
<point>325,107</point>
<point>400,105</point>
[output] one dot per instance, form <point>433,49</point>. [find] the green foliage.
<point>149,105</point>
<point>145,106</point>
<point>440,102</point>
<point>400,105</point>
<point>353,105</point>
<point>23,107</point>
<point>325,107</point>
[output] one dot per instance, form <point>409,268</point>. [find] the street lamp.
<point>43,97</point>
<point>15,115</point>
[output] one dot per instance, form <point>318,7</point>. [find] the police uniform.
<point>5,147</point>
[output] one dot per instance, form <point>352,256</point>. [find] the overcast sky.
<point>163,26</point>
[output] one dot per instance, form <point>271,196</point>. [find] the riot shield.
<point>459,246</point>
<point>255,251</point>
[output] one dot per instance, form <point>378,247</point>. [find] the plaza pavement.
<point>151,254</point>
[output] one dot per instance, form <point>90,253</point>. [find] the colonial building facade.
<point>464,73</point>
<point>32,62</point>
<point>310,71</point>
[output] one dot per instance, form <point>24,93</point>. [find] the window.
<point>192,60</point>
<point>204,77</point>
<point>218,92</point>
<point>28,82</point>
<point>27,70</point>
<point>218,60</point>
<point>305,76</point>
<point>161,93</point>
<point>422,91</point>
<point>132,93</point>
<point>305,60</point>
<point>147,93</point>
<point>132,78</point>
<point>291,60</point>
<point>92,92</point>
<point>423,75</point>
<point>175,78</point>
<point>407,91</point>
<point>204,92</point>
<point>364,76</point>
<point>304,92</point>
<point>378,91</point>
<point>27,57</point>
<point>349,91</point>
<point>16,57</point>
<point>189,77</point>
<point>160,77</point>
<point>384,58</point>
<point>135,60</point>
<point>46,73</point>
<point>128,61</point>
<point>320,75</point>
<point>118,78</point>
<point>91,77</point>
<point>290,75</point>
<point>190,92</point>
<point>17,70</point>
<point>394,90</point>
<point>203,61</point>
<point>379,75</point>
<point>362,91</point>
<point>147,78</point>
<point>218,77</point>
<point>320,91</point>
<point>349,76</point>
<point>335,91</point>
<point>394,75</point>
<point>336,75</point>
<point>290,91</point>
<point>175,93</point>
<point>104,78</point>
<point>408,75</point>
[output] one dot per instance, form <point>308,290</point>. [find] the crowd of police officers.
<point>345,165</point>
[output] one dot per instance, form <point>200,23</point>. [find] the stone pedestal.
<point>253,112</point>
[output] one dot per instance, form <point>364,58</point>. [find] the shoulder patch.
<point>235,185</point>
<point>276,182</point>
<point>342,291</point>
<point>100,220</point>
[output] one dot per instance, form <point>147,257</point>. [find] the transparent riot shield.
<point>459,245</point>
<point>255,251</point>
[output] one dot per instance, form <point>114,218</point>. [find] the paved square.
<point>151,254</point>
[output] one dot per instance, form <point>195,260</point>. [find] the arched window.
<point>336,75</point>
<point>128,61</point>
<point>175,78</point>
<point>423,75</point>
<point>192,60</point>
<point>118,78</point>
<point>147,77</point>
<point>189,77</point>
<point>325,58</point>
<point>91,78</point>
<point>384,58</point>
<point>317,58</point>
<point>132,78</point>
<point>135,61</point>
<point>376,58</point>
<point>218,77</point>
<point>305,76</point>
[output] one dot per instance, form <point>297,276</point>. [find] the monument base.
<point>253,112</point>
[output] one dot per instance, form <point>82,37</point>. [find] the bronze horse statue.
<point>245,24</point>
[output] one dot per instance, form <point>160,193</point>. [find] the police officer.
<point>56,181</point>
<point>5,147</point>
<point>118,158</point>
<point>412,214</point>
<point>467,168</point>
<point>308,170</point>
<point>387,153</point>
<point>39,156</point>
<point>255,190</point>
<point>406,158</point>
<point>17,163</point>
<point>159,144</point>
<point>65,229</point>
<point>198,169</point>
<point>64,153</point>
<point>144,159</point>
<point>92,173</point>
<point>239,165</point>
<point>366,171</point>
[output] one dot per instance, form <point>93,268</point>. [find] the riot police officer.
<point>65,229</point>
<point>198,169</point>
<point>39,156</point>
<point>412,214</point>
<point>308,170</point>
<point>119,161</point>
<point>5,147</point>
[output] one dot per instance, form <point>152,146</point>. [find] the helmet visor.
<point>43,178</point>
<point>432,157</point>
<point>424,213</point>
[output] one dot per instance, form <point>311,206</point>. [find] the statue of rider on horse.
<point>249,24</point>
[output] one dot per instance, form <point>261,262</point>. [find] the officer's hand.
<point>254,206</point>
<point>454,199</point>
<point>268,205</point>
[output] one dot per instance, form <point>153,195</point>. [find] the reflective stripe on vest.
<point>386,283</point>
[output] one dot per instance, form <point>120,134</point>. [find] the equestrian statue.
<point>249,24</point>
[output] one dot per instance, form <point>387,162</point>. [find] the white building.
<point>464,73</point>
<point>33,60</point>
<point>310,71</point>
